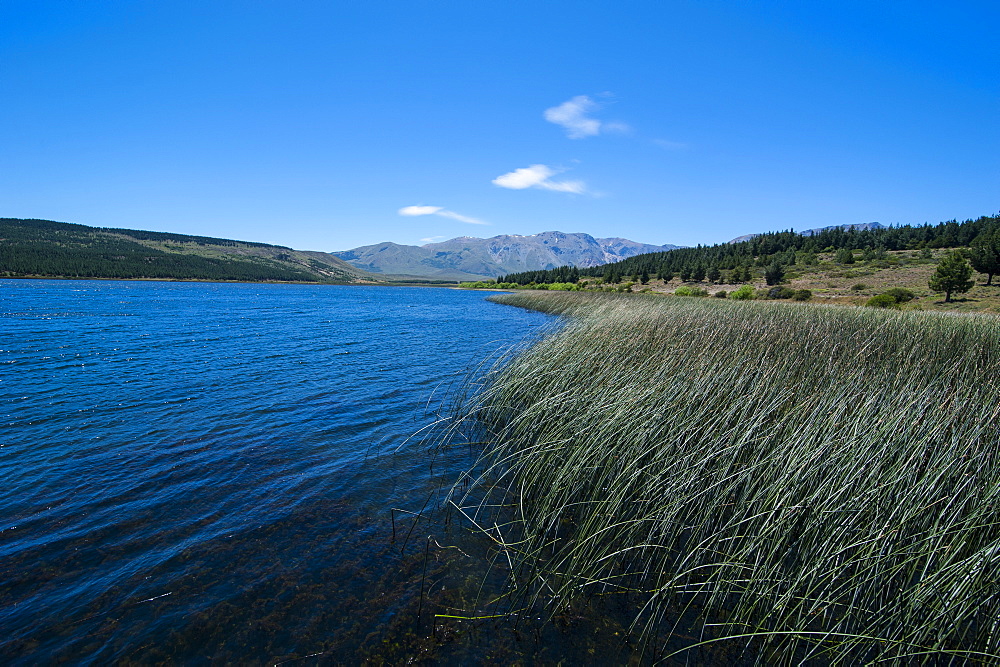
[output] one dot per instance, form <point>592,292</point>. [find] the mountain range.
<point>47,248</point>
<point>472,258</point>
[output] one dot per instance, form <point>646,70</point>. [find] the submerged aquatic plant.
<point>815,483</point>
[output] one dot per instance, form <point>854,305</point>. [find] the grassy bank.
<point>814,482</point>
<point>827,281</point>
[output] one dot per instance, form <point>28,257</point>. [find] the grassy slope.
<point>83,250</point>
<point>833,283</point>
<point>323,266</point>
<point>823,479</point>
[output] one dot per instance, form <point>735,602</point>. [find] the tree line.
<point>20,228</point>
<point>769,253</point>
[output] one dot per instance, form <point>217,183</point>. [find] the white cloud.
<point>461,218</point>
<point>443,212</point>
<point>433,239</point>
<point>525,177</point>
<point>576,187</point>
<point>572,116</point>
<point>537,176</point>
<point>419,210</point>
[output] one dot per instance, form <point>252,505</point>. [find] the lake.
<point>206,473</point>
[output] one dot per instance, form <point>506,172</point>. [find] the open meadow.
<point>855,284</point>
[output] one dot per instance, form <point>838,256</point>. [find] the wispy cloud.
<point>443,212</point>
<point>433,239</point>
<point>461,218</point>
<point>419,210</point>
<point>573,116</point>
<point>538,176</point>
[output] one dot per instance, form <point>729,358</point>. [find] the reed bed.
<point>817,484</point>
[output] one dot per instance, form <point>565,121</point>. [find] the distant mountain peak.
<point>473,258</point>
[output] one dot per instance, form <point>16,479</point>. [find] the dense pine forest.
<point>733,262</point>
<point>59,249</point>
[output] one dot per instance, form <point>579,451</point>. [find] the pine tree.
<point>985,253</point>
<point>774,273</point>
<point>741,274</point>
<point>952,275</point>
<point>845,256</point>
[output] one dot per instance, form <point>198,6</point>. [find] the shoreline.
<point>317,283</point>
<point>731,434</point>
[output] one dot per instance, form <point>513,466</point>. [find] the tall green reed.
<point>817,483</point>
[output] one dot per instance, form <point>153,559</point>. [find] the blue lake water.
<point>202,473</point>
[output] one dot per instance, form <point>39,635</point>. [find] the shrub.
<point>721,294</point>
<point>901,294</point>
<point>743,293</point>
<point>859,286</point>
<point>780,293</point>
<point>882,301</point>
<point>487,284</point>
<point>802,295</point>
<point>684,290</point>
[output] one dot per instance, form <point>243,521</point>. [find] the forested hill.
<point>58,249</point>
<point>767,249</point>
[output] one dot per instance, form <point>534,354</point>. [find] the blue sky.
<point>330,125</point>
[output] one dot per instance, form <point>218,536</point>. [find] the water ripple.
<point>184,461</point>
